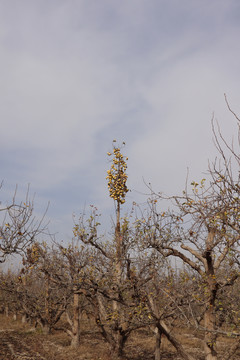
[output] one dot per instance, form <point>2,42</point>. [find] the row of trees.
<point>127,281</point>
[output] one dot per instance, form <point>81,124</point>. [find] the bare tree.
<point>20,227</point>
<point>76,263</point>
<point>202,229</point>
<point>44,299</point>
<point>118,275</point>
<point>118,306</point>
<point>167,300</point>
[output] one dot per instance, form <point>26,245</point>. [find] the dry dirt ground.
<point>19,342</point>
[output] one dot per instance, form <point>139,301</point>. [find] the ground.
<point>19,342</point>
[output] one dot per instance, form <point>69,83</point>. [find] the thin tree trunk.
<point>45,326</point>
<point>158,338</point>
<point>46,300</point>
<point>46,329</point>
<point>76,322</point>
<point>24,318</point>
<point>119,337</point>
<point>209,315</point>
<point>6,310</point>
<point>121,340</point>
<point>24,315</point>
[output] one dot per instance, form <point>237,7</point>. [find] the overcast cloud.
<point>77,74</point>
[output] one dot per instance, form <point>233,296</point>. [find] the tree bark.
<point>211,288</point>
<point>76,322</point>
<point>210,338</point>
<point>45,326</point>
<point>158,338</point>
<point>209,324</point>
<point>24,318</point>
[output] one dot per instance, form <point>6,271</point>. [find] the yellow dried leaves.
<point>117,176</point>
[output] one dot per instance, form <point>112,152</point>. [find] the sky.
<point>77,74</point>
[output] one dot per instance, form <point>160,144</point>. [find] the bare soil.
<point>19,342</point>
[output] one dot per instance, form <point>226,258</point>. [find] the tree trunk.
<point>158,338</point>
<point>121,340</point>
<point>210,337</point>
<point>180,350</point>
<point>117,349</point>
<point>163,329</point>
<point>24,318</point>
<point>119,336</point>
<point>76,322</point>
<point>6,310</point>
<point>45,327</point>
<point>211,287</point>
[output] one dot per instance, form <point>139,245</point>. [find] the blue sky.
<point>77,74</point>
